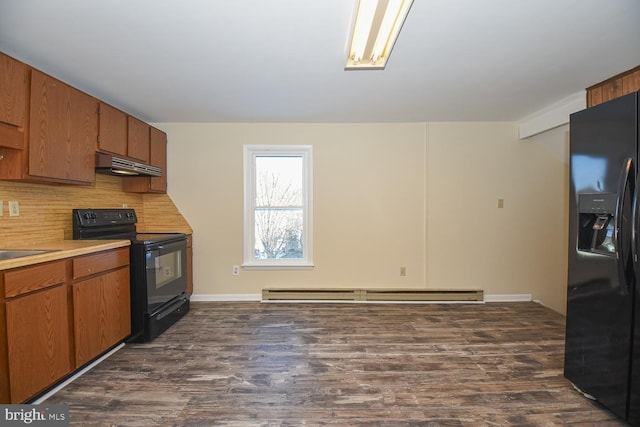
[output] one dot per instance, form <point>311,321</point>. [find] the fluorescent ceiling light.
<point>375,31</point>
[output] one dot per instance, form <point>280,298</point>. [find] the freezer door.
<point>603,145</point>
<point>634,389</point>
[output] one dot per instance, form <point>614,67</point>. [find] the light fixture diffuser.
<point>376,28</point>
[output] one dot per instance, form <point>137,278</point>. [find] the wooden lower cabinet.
<point>101,303</point>
<point>38,341</point>
<point>57,316</point>
<point>101,314</point>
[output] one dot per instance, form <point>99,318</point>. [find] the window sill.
<point>278,266</point>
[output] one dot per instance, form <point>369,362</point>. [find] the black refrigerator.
<point>602,344</point>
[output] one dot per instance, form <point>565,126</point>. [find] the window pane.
<point>278,206</point>
<point>278,234</point>
<point>278,181</point>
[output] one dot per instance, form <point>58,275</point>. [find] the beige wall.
<point>420,195</point>
<point>368,204</point>
<point>517,249</point>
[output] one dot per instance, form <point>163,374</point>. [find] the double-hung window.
<point>278,206</point>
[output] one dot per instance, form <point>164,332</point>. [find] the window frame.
<point>250,152</point>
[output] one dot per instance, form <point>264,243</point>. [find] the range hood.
<point>112,165</point>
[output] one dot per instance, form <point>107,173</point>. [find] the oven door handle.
<point>178,244</point>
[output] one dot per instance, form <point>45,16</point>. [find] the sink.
<point>17,253</point>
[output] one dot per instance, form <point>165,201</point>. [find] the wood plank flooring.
<point>293,364</point>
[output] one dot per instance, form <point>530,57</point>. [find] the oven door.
<point>166,272</point>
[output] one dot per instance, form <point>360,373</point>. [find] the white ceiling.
<point>283,60</point>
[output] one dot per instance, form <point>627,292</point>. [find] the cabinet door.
<point>101,313</point>
<point>13,91</point>
<point>138,140</point>
<point>117,297</point>
<point>13,99</point>
<point>63,131</point>
<point>158,157</point>
<point>612,89</point>
<point>112,130</point>
<point>631,82</point>
<point>38,341</point>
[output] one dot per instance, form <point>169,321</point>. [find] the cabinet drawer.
<point>91,264</point>
<point>32,278</point>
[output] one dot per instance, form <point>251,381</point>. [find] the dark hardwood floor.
<point>288,364</point>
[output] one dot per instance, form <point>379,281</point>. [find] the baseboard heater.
<point>380,295</point>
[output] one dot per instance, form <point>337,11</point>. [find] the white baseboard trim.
<point>507,298</point>
<point>258,297</point>
<point>75,376</point>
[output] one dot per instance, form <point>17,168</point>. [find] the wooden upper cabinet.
<point>594,96</point>
<point>614,87</point>
<point>13,101</point>
<point>63,131</point>
<point>611,90</point>
<point>112,136</point>
<point>158,157</point>
<point>13,91</point>
<point>631,82</point>
<point>138,137</point>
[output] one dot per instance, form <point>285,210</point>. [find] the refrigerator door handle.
<point>635,226</point>
<point>621,250</point>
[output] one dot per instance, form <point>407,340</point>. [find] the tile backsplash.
<point>45,210</point>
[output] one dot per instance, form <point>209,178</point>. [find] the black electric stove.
<point>158,266</point>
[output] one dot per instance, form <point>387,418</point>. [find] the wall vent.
<point>381,295</point>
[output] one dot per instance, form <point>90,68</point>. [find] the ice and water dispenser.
<point>597,224</point>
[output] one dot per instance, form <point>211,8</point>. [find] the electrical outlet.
<point>14,208</point>
<point>236,270</point>
<point>403,271</point>
<point>500,203</point>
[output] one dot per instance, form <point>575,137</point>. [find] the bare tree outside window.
<point>279,210</point>
<point>278,207</point>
